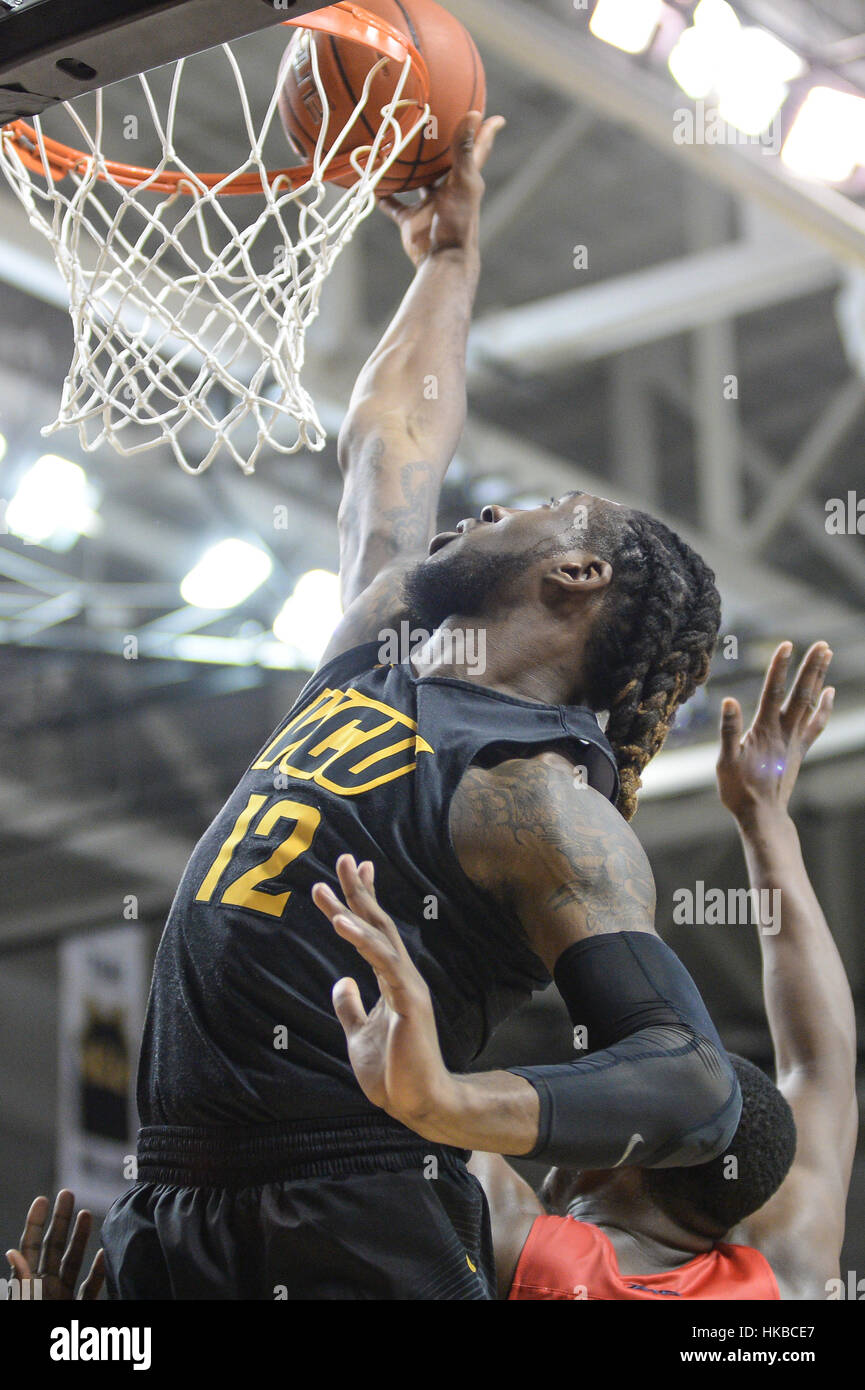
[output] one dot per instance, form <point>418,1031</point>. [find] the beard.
<point>470,584</point>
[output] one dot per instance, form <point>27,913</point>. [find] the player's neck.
<point>499,653</point>
<point>641,1234</point>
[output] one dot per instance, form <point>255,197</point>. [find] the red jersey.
<point>568,1259</point>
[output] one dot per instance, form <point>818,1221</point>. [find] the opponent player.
<point>496,810</point>
<point>765,1220</point>
<point>54,1256</point>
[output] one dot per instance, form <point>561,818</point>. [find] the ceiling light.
<point>53,504</point>
<point>747,69</point>
<point>226,574</point>
<point>626,24</point>
<point>307,619</point>
<point>753,82</point>
<point>699,57</point>
<point>827,138</point>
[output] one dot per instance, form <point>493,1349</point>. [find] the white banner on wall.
<point>103,994</point>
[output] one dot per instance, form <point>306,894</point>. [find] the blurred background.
<point>671,313</point>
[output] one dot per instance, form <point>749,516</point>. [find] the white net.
<point>189,326</point>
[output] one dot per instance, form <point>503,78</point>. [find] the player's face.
<point>485,563</point>
<point>510,531</point>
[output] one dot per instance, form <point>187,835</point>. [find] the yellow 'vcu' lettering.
<point>346,742</point>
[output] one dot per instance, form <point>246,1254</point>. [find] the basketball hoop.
<point>179,324</point>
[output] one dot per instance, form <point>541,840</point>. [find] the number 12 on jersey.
<point>245,890</point>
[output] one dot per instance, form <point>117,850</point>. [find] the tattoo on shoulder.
<point>530,837</point>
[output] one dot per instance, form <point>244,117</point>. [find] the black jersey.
<point>240,1028</point>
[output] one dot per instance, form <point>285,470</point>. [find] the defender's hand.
<point>760,770</point>
<point>394,1050</point>
<point>446,216</point>
<point>50,1257</point>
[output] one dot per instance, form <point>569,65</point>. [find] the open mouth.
<point>442,539</point>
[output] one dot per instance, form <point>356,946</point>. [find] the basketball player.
<point>763,1221</point>
<point>496,811</point>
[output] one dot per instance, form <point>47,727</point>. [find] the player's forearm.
<point>414,380</point>
<point>493,1111</point>
<point>659,1094</point>
<point>808,1000</point>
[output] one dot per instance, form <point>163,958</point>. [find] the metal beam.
<point>629,310</point>
<point>814,451</point>
<point>713,372</point>
<point>632,426</point>
<point>502,211</point>
<point>843,553</point>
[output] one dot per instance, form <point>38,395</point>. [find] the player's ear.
<point>580,574</point>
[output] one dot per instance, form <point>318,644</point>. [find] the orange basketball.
<point>457,85</point>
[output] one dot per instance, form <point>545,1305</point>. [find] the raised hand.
<point>394,1050</point>
<point>446,215</point>
<point>760,768</point>
<point>50,1257</point>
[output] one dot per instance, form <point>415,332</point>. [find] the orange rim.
<point>344,19</point>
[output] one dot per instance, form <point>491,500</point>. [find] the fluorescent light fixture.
<point>3,447</point>
<point>764,54</point>
<point>226,574</point>
<point>626,24</point>
<point>694,64</point>
<point>753,84</point>
<point>717,20</point>
<point>53,504</point>
<point>747,69</point>
<point>703,52</point>
<point>827,138</point>
<point>307,619</point>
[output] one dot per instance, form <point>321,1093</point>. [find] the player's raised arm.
<point>408,407</point>
<point>808,1000</point>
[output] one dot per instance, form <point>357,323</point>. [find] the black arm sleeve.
<point>657,1089</point>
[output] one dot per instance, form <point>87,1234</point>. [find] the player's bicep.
<point>553,851</point>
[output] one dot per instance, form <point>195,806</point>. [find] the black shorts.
<point>362,1210</point>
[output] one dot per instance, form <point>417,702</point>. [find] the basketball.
<point>457,85</point>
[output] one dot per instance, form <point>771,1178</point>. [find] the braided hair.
<point>653,639</point>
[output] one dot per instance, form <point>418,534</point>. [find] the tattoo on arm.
<point>558,855</point>
<point>412,520</point>
<point>388,513</point>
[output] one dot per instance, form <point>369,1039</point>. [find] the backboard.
<point>51,51</point>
